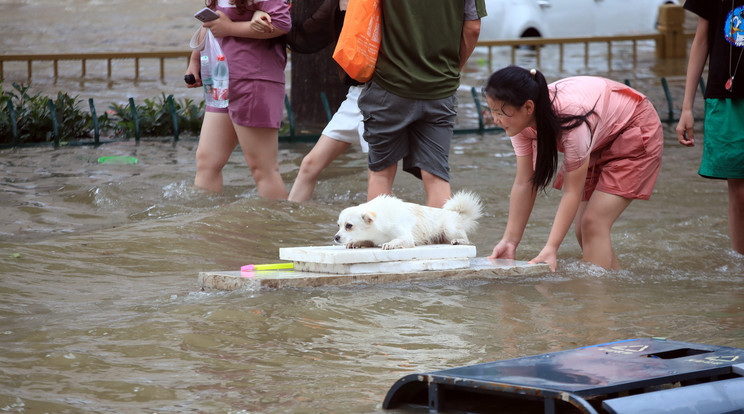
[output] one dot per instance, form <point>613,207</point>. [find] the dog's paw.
<point>397,244</point>
<point>359,244</point>
<point>391,246</point>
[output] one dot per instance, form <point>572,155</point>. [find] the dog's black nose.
<point>337,239</point>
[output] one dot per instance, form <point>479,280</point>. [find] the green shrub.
<point>190,115</point>
<point>33,117</point>
<point>155,118</point>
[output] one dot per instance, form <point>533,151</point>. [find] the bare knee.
<point>380,182</point>
<point>201,155</point>
<point>438,190</point>
<point>310,166</point>
<point>262,168</point>
<point>736,196</point>
<point>262,172</point>
<point>592,225</point>
<point>208,160</point>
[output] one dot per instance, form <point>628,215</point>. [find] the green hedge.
<point>32,122</point>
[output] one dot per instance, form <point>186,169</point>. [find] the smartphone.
<point>206,15</point>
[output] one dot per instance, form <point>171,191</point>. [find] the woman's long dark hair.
<point>514,85</point>
<point>240,5</point>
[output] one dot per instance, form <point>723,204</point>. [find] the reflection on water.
<point>99,305</point>
<point>100,311</point>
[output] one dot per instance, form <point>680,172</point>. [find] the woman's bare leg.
<point>216,142</point>
<point>261,151</point>
<point>736,213</point>
<point>323,153</point>
<point>595,224</point>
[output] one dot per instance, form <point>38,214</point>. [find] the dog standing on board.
<point>391,223</point>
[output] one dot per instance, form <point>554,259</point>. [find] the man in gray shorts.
<point>409,107</point>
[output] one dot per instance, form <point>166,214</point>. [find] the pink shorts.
<point>255,103</point>
<point>630,165</point>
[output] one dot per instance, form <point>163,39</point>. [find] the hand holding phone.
<point>206,15</point>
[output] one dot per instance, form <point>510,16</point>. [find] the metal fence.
<point>536,44</point>
<point>109,57</point>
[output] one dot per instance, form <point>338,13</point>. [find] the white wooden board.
<point>341,255</point>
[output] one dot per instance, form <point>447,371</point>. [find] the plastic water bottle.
<point>206,77</point>
<point>221,78</point>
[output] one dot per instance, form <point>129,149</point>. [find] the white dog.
<point>391,223</point>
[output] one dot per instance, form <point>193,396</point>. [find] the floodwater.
<point>100,310</point>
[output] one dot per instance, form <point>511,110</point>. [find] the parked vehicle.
<point>513,19</point>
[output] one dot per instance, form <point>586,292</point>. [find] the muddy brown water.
<point>100,310</point>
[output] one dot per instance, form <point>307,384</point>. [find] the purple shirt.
<point>263,59</point>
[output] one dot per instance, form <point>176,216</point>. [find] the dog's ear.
<point>369,217</point>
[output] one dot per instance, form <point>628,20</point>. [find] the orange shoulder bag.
<point>359,41</point>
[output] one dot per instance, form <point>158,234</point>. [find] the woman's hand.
<point>261,22</point>
<point>220,27</point>
<point>504,250</point>
<point>194,70</point>
<point>547,255</point>
<point>684,128</point>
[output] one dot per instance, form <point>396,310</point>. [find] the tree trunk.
<point>312,74</point>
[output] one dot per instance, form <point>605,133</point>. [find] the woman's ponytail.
<point>548,131</point>
<point>513,86</point>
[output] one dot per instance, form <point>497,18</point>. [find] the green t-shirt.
<point>419,55</point>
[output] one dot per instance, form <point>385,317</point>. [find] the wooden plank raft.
<point>335,266</point>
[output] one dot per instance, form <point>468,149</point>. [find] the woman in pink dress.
<point>611,139</point>
<point>256,61</point>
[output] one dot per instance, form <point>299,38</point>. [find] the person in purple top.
<point>256,61</point>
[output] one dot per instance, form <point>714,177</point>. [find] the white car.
<point>512,19</point>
